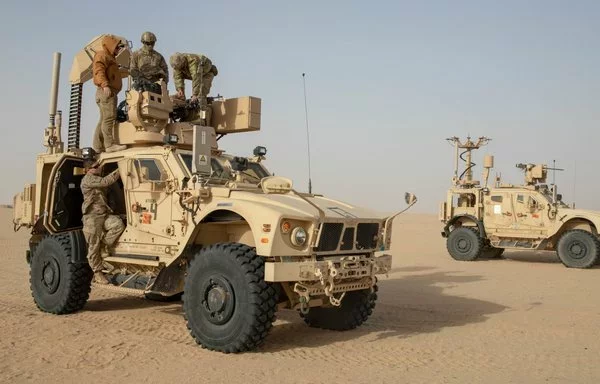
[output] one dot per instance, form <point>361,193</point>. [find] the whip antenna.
<point>307,134</point>
<point>574,183</point>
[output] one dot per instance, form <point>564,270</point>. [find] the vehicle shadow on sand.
<point>412,304</point>
<point>124,303</point>
<point>407,306</point>
<point>542,257</point>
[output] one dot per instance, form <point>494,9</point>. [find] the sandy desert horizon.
<point>523,319</point>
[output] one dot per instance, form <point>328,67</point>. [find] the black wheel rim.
<point>218,300</point>
<point>50,275</point>
<point>463,245</point>
<point>577,250</point>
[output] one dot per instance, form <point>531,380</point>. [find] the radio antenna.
<point>574,183</point>
<point>307,134</point>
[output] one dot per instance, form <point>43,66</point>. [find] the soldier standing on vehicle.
<point>148,63</point>
<point>99,222</point>
<point>199,69</point>
<point>108,80</point>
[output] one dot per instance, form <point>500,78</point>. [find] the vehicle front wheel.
<point>356,308</point>
<point>464,244</point>
<point>227,303</point>
<point>578,249</point>
<point>58,285</point>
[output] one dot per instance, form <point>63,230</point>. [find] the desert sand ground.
<point>525,319</point>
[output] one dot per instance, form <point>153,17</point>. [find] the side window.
<point>532,203</point>
<point>151,170</point>
<point>216,167</point>
<point>496,199</point>
<point>520,199</point>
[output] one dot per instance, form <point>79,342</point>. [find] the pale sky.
<point>387,82</point>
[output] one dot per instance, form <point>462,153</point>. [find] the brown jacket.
<point>105,67</point>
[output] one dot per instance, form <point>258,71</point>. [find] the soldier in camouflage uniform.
<point>148,63</point>
<point>199,69</point>
<point>98,221</point>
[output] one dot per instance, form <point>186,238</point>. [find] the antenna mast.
<point>465,178</point>
<point>307,134</point>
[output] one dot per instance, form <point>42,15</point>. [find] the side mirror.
<point>410,198</point>
<point>559,197</point>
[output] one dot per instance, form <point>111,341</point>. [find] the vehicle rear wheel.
<point>578,249</point>
<point>227,304</point>
<point>492,252</point>
<point>58,285</point>
<point>464,244</point>
<point>356,308</point>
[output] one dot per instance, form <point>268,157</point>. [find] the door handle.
<point>521,214</point>
<point>507,213</point>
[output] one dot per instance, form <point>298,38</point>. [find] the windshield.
<point>221,169</point>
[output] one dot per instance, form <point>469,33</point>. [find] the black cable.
<point>466,169</point>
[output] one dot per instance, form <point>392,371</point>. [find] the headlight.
<point>298,236</point>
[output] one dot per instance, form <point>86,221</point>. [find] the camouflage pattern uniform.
<point>198,68</point>
<point>98,222</point>
<point>149,64</point>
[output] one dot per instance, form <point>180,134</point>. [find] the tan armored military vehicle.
<point>482,221</point>
<point>238,242</point>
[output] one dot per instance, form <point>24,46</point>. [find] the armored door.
<point>148,196</point>
<point>529,214</point>
<point>498,215</point>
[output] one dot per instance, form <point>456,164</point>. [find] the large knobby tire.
<point>578,249</point>
<point>492,252</point>
<point>464,244</point>
<point>356,308</point>
<point>227,303</point>
<point>57,285</point>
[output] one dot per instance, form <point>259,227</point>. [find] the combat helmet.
<point>177,60</point>
<point>148,37</point>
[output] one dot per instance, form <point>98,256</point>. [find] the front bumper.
<point>339,268</point>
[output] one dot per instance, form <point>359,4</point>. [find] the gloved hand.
<point>107,91</point>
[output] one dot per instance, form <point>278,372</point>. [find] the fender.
<point>234,211</point>
<point>453,220</point>
<point>78,247</point>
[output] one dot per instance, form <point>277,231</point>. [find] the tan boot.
<point>115,148</point>
<point>100,278</point>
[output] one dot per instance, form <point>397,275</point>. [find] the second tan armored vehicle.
<point>239,243</point>
<point>482,221</point>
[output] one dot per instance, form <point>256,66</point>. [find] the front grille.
<point>348,240</point>
<point>330,237</point>
<point>366,235</point>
